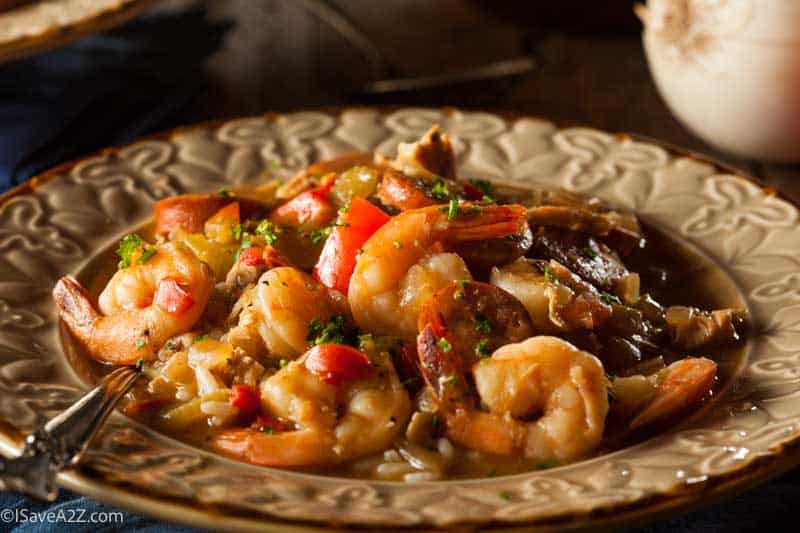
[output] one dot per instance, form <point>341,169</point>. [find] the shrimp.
<point>384,295</point>
<point>342,407</point>
<point>556,299</point>
<point>142,306</point>
<point>542,398</point>
<point>664,394</point>
<point>277,313</point>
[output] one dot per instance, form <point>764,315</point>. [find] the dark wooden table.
<point>591,69</point>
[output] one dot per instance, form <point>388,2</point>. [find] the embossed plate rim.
<point>752,469</point>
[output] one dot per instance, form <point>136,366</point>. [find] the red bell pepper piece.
<point>337,364</point>
<point>253,256</point>
<point>172,297</point>
<point>246,399</point>
<point>338,258</point>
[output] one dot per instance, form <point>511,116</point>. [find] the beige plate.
<point>63,221</point>
<point>39,26</point>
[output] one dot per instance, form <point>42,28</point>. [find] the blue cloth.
<point>101,91</point>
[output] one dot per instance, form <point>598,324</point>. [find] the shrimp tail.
<point>685,384</point>
<point>478,223</point>
<point>76,307</point>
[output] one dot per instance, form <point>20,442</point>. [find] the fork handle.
<point>61,441</point>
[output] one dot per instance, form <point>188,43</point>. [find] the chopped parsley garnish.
<point>452,209</point>
<point>464,283</point>
<point>505,495</point>
<point>199,338</point>
<point>611,377</point>
<point>611,397</point>
<point>458,295</point>
<point>610,298</point>
<point>224,193</point>
<point>410,382</point>
<point>440,190</point>
<point>607,282</point>
<point>274,165</point>
<point>246,243</point>
<point>345,208</point>
<point>482,348</point>
<point>397,244</point>
<point>282,363</point>
<point>366,337</point>
<point>133,250</point>
<point>452,378</point>
<point>140,364</point>
<point>588,252</point>
<point>236,231</point>
<point>547,464</point>
<point>485,187</point>
<point>268,430</point>
<point>140,344</point>
<point>549,275</point>
<point>319,235</point>
<point>171,346</point>
<point>335,331</point>
<point>482,324</point>
<point>444,344</point>
<point>269,231</point>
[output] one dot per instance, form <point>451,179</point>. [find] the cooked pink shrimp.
<point>142,306</point>
<point>403,263</point>
<point>665,394</point>
<point>544,399</point>
<point>341,404</point>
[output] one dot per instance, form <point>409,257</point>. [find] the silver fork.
<point>60,442</point>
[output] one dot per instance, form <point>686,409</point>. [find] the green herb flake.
<point>610,298</point>
<point>482,324</point>
<point>141,344</point>
<point>319,235</point>
<point>397,244</point>
<point>171,346</point>
<point>444,344</point>
<point>282,363</point>
<point>549,275</point>
<point>132,248</point>
<point>607,282</point>
<point>336,331</point>
<point>589,252</point>
<point>269,231</point>
<point>611,377</point>
<point>223,193</point>
<point>440,190</point>
<point>199,338</point>
<point>505,495</point>
<point>236,231</point>
<point>458,295</point>
<point>452,378</point>
<point>485,187</point>
<point>268,430</point>
<point>452,209</point>
<point>611,396</point>
<point>410,382</point>
<point>464,283</point>
<point>482,348</point>
<point>274,164</point>
<point>546,465</point>
<point>140,364</point>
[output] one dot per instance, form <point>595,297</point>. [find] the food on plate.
<point>382,318</point>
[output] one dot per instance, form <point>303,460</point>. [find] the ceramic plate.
<point>37,26</point>
<point>63,221</point>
